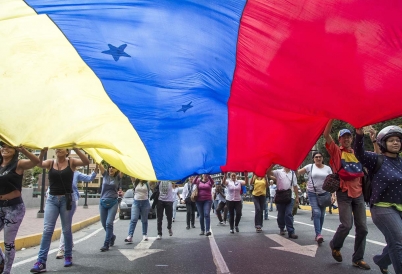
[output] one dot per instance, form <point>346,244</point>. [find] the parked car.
<point>179,205</point>
<point>127,202</point>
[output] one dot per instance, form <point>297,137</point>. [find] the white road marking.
<point>217,255</point>
<point>56,249</point>
<point>290,246</point>
<point>333,231</point>
<point>142,249</point>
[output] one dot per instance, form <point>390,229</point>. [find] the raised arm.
<point>225,175</point>
<point>373,138</point>
<point>101,168</point>
<point>26,163</point>
<point>327,132</point>
<point>44,163</point>
<point>82,161</point>
<point>301,171</point>
<point>253,179</point>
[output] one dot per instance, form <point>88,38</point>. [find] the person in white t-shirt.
<point>177,199</point>
<point>286,179</point>
<point>272,192</point>
<point>317,172</point>
<point>233,200</point>
<point>165,203</point>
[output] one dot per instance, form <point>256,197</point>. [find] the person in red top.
<point>204,202</point>
<point>350,197</point>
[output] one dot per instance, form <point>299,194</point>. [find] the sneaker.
<point>282,232</point>
<point>38,267</point>
<point>104,248</point>
<point>202,233</point>
<point>266,218</point>
<point>231,231</point>
<point>258,230</point>
<point>60,254</point>
<point>129,239</point>
<point>237,229</point>
<point>319,239</point>
<point>362,265</point>
<point>220,223</point>
<point>224,222</point>
<point>193,226</point>
<point>112,240</point>
<point>208,233</point>
<point>293,236</point>
<point>145,238</point>
<point>170,232</point>
<point>173,220</point>
<point>68,261</point>
<point>159,237</point>
<point>187,227</point>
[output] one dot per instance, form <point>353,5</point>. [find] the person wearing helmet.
<point>386,197</point>
<point>350,197</point>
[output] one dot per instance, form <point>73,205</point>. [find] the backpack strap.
<point>380,160</point>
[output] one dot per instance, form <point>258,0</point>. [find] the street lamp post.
<point>41,212</point>
<point>86,186</point>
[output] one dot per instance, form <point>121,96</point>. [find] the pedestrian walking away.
<point>233,200</point>
<point>190,205</point>
<point>140,207</point>
<point>272,192</point>
<point>59,202</point>
<point>165,204</point>
<point>260,185</point>
<point>286,182</point>
<point>109,203</point>
<point>12,208</point>
<point>350,198</point>
<point>78,177</point>
<point>177,199</point>
<point>317,172</point>
<point>204,202</point>
<point>386,198</point>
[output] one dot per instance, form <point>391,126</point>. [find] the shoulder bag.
<point>332,182</point>
<point>284,196</point>
<point>323,199</point>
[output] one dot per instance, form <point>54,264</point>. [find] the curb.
<point>34,239</point>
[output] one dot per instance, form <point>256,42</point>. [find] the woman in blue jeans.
<point>109,203</point>
<point>386,197</point>
<point>141,207</point>
<point>317,172</point>
<point>204,202</point>
<point>61,172</point>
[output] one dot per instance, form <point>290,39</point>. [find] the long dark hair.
<point>13,161</point>
<point>315,153</point>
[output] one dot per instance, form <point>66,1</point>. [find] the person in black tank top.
<point>12,209</point>
<point>61,173</point>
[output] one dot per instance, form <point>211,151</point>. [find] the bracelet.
<point>375,141</point>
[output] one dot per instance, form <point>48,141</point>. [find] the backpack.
<point>366,182</point>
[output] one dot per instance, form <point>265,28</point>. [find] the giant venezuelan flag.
<point>164,89</point>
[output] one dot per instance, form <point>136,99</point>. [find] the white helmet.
<point>387,132</point>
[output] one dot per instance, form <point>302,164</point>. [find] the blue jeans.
<point>285,217</point>
<point>204,208</point>
<point>107,216</point>
<point>55,206</point>
<point>139,207</point>
<point>389,222</point>
<point>266,207</point>
<point>349,209</point>
<point>271,201</point>
<point>318,213</point>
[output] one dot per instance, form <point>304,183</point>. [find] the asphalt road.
<point>187,252</point>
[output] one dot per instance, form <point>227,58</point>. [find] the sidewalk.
<point>30,232</point>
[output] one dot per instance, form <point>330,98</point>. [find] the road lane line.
<point>333,231</point>
<point>217,255</point>
<point>56,249</point>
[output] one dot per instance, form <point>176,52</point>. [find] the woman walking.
<point>12,208</point>
<point>259,193</point>
<point>177,199</point>
<point>233,200</point>
<point>109,203</point>
<point>140,207</point>
<point>59,202</point>
<point>317,172</point>
<point>204,202</point>
<point>386,198</point>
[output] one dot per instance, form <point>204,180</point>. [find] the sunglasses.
<point>317,157</point>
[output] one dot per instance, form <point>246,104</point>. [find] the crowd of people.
<point>201,194</point>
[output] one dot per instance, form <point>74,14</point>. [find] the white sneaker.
<point>145,238</point>
<point>159,237</point>
<point>170,232</point>
<point>60,254</point>
<point>129,239</point>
